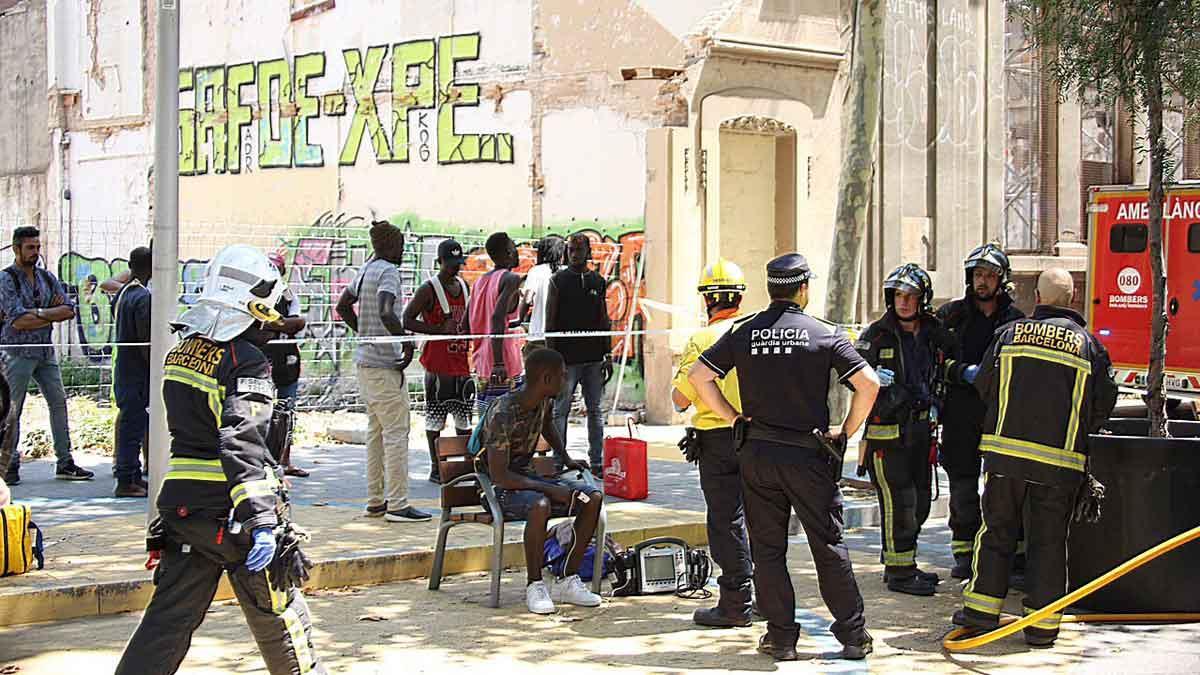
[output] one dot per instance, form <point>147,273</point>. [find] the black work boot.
<point>859,651</point>
<point>929,577</point>
<point>715,617</point>
<point>777,651</point>
<point>1039,641</point>
<point>912,585</point>
<point>962,567</point>
<point>961,618</point>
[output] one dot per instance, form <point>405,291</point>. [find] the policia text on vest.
<point>783,357</point>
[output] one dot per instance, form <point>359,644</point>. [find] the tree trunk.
<point>860,139</point>
<point>1156,399</point>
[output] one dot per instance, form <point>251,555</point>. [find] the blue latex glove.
<point>886,377</point>
<point>970,373</point>
<point>263,551</point>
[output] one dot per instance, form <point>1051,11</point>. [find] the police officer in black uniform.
<point>908,349</point>
<point>1048,384</point>
<point>783,358</point>
<point>220,506</point>
<point>971,321</point>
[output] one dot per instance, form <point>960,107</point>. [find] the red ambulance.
<point>1120,287</point>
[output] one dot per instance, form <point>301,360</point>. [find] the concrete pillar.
<point>1069,169</point>
<point>993,16</point>
<point>658,353</point>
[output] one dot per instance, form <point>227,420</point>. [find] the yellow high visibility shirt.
<point>704,418</point>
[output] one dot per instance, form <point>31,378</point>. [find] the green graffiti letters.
<point>363,78</point>
<point>274,131</point>
<point>216,130</point>
<point>460,148</point>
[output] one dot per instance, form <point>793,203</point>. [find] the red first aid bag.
<point>625,473</point>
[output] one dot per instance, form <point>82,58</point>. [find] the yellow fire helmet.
<point>723,279</point>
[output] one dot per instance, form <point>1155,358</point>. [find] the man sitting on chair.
<point>509,437</point>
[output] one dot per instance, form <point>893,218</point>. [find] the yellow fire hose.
<point>958,640</point>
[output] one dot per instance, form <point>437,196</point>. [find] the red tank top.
<point>447,357</point>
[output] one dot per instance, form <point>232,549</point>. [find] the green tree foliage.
<point>1143,53</point>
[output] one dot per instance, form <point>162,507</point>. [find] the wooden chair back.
<point>454,461</point>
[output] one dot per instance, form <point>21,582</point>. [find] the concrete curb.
<point>73,601</point>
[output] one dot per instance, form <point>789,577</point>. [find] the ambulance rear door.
<point>1119,278</point>
<point>1183,290</point>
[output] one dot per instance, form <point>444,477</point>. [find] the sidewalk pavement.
<point>95,542</point>
<point>403,627</point>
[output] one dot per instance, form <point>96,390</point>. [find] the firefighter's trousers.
<point>184,585</point>
<point>721,482</point>
<point>902,482</point>
<point>1050,509</point>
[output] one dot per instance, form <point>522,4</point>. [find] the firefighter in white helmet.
<point>709,443</point>
<point>221,506</point>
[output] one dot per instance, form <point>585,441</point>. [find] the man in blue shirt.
<point>131,374</point>
<point>32,301</point>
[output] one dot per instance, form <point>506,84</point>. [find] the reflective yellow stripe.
<point>1081,379</point>
<point>959,546</point>
<point>1051,622</point>
<point>194,475</point>
<point>985,604</point>
<point>255,488</point>
<point>189,462</point>
<point>1005,379</point>
<point>978,601</point>
<point>889,516</point>
<point>279,599</point>
<point>1044,354</point>
<point>209,385</point>
<point>905,559</point>
<point>188,468</point>
<point>883,432</point>
<point>1021,547</point>
<point>299,639</point>
<point>1034,452</point>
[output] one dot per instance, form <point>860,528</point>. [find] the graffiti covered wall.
<point>423,94</point>
<point>324,257</point>
<point>373,106</point>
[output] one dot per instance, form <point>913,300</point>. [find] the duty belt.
<point>761,431</point>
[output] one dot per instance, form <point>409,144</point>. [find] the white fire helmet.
<point>241,286</point>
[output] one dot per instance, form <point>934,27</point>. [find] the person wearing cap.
<point>710,445</point>
<point>789,457</point>
<point>381,364</point>
<point>285,359</point>
<point>440,308</point>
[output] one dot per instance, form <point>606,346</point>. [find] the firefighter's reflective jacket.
<point>1048,384</point>
<point>219,398</point>
<point>903,404</point>
<point>972,332</point>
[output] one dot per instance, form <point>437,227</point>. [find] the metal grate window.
<point>1023,141</point>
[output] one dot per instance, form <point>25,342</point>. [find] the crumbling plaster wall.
<point>24,112</point>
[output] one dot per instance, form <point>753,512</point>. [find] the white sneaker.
<point>572,591</point>
<point>537,598</point>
